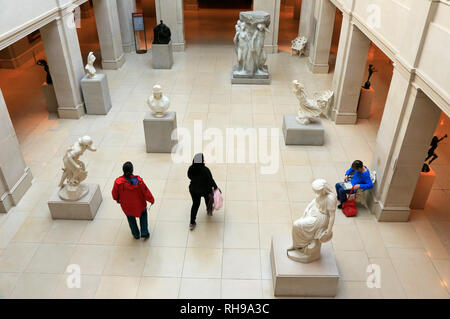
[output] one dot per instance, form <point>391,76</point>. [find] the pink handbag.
<point>218,200</point>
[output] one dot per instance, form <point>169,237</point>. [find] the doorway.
<point>211,21</point>
<point>289,23</point>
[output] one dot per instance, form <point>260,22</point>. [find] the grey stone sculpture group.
<point>248,41</point>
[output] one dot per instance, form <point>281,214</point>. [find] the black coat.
<point>201,178</point>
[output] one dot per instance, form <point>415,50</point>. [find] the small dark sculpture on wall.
<point>46,69</point>
<point>431,152</point>
<point>161,34</point>
<point>372,70</point>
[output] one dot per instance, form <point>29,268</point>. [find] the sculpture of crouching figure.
<point>74,171</point>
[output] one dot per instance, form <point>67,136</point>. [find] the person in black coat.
<point>202,184</point>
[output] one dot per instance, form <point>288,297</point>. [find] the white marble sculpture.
<point>90,69</point>
<point>158,102</point>
<point>251,30</point>
<point>311,107</point>
<point>74,171</point>
<point>299,45</point>
<point>315,226</point>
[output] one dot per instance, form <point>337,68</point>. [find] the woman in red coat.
<point>132,194</point>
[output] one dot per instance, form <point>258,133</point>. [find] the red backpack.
<point>349,207</point>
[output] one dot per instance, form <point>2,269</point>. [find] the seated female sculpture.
<point>315,226</point>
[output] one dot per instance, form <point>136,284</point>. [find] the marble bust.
<point>161,34</point>
<point>311,107</point>
<point>158,102</point>
<point>315,226</point>
<point>74,171</point>
<point>90,69</point>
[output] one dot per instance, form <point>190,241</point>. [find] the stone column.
<point>408,123</point>
<point>62,50</point>
<point>307,22</point>
<point>272,7</point>
<point>320,45</point>
<point>349,73</point>
<point>108,28</point>
<point>172,14</point>
<point>126,8</point>
<point>15,176</point>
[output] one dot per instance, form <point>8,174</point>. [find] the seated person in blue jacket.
<point>358,176</point>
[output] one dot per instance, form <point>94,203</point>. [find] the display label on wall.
<point>138,22</point>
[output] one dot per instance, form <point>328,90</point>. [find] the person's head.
<point>127,169</point>
<point>198,159</point>
<point>358,166</point>
<point>434,140</point>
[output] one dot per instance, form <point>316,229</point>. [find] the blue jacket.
<point>363,179</point>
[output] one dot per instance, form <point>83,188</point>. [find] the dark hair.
<point>127,169</point>
<point>357,165</point>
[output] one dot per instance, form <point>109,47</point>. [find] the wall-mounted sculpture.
<point>311,107</point>
<point>90,69</point>
<point>372,70</point>
<point>161,34</point>
<point>43,63</point>
<point>248,41</point>
<point>315,226</point>
<point>74,171</point>
<point>158,102</point>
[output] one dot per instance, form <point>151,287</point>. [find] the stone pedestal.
<point>236,78</point>
<point>158,131</point>
<point>365,103</point>
<point>85,208</point>
<point>50,97</point>
<point>162,56</point>
<point>96,94</point>
<point>423,189</point>
<point>298,134</point>
<point>293,279</point>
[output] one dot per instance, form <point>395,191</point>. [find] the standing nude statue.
<point>242,46</point>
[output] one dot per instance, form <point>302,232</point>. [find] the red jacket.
<point>132,198</point>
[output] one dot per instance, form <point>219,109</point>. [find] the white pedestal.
<point>298,134</point>
<point>158,132</point>
<point>365,103</point>
<point>85,208</point>
<point>50,97</point>
<point>290,278</point>
<point>96,94</point>
<point>162,56</point>
<point>423,189</point>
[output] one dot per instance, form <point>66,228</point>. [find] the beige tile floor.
<point>228,254</point>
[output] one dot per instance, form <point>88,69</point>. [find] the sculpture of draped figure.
<point>315,226</point>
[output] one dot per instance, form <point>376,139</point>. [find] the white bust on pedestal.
<point>158,102</point>
<point>90,69</point>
